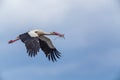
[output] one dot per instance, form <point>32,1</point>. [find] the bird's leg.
<point>12,41</point>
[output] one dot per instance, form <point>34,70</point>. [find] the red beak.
<point>58,34</point>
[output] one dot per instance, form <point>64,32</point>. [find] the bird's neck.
<point>48,33</point>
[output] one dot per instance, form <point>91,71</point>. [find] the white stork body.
<point>35,40</point>
<point>33,34</point>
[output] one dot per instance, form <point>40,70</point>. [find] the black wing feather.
<point>51,53</point>
<point>32,44</point>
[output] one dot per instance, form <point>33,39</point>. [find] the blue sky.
<point>91,50</point>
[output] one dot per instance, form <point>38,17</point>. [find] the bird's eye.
<point>36,31</point>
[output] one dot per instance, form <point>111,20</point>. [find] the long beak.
<point>12,41</point>
<point>58,34</point>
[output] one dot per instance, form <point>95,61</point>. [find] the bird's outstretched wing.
<point>48,48</point>
<point>32,46</point>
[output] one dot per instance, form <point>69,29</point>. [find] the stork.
<point>35,40</point>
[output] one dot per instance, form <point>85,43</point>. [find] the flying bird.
<point>37,39</point>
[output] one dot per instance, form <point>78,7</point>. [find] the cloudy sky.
<point>91,50</point>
